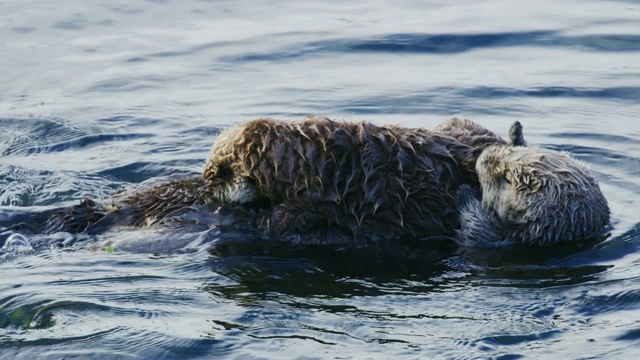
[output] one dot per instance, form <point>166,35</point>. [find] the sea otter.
<point>530,196</point>
<point>143,205</point>
<point>363,179</point>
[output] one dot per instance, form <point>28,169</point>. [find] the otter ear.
<point>516,134</point>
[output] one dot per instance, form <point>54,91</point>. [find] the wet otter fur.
<point>185,200</point>
<point>360,178</point>
<point>320,181</point>
<point>530,196</point>
<point>363,179</point>
<point>472,139</point>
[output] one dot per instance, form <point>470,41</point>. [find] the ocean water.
<point>97,96</point>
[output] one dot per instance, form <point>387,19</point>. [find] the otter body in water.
<point>380,181</point>
<point>531,196</point>
<point>331,181</point>
<point>389,181</point>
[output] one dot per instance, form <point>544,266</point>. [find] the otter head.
<point>226,174</point>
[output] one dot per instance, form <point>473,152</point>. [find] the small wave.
<point>623,299</point>
<point>34,136</point>
<point>88,141</point>
<point>139,171</point>
<point>476,100</point>
<point>129,84</point>
<point>416,43</point>
<point>22,135</point>
<point>626,93</point>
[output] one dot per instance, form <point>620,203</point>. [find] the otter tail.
<point>82,217</point>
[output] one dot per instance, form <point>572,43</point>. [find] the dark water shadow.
<point>334,271</point>
<point>550,266</point>
<point>261,266</point>
<point>412,269</point>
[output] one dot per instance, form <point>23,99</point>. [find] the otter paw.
<point>479,227</point>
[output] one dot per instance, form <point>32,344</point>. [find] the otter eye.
<point>224,173</point>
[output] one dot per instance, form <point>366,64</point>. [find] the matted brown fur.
<point>387,181</point>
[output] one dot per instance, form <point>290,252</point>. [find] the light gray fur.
<point>530,196</point>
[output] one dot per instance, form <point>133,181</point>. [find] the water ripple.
<point>445,44</point>
<point>444,100</point>
<point>619,301</point>
<point>85,141</point>
<point>627,93</point>
<point>23,134</point>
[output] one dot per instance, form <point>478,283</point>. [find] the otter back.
<point>384,180</point>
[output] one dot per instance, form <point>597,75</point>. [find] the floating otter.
<point>360,178</point>
<point>320,181</point>
<point>530,196</point>
<point>389,181</point>
<point>139,206</point>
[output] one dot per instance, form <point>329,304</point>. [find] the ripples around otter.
<point>112,94</point>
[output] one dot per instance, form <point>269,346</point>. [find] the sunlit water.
<point>99,95</point>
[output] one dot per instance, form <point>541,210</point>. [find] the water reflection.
<point>401,270</point>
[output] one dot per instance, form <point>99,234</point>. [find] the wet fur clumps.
<point>184,201</point>
<point>137,207</point>
<point>472,138</point>
<point>526,195</point>
<point>362,179</point>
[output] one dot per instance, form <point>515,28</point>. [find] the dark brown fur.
<point>335,179</point>
<point>387,181</point>
<point>183,200</point>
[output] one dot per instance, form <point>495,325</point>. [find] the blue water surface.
<point>96,96</point>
